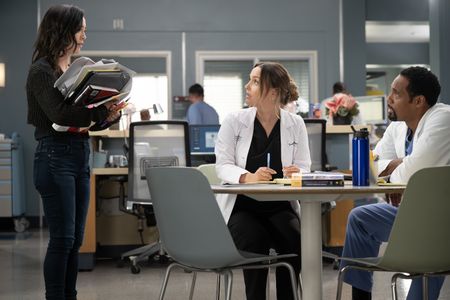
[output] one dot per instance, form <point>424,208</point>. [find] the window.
<point>224,75</point>
<point>224,85</point>
<point>149,89</point>
<point>150,84</point>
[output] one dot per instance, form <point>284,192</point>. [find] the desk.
<point>311,232</point>
<point>88,248</point>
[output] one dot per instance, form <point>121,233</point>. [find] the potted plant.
<point>341,108</point>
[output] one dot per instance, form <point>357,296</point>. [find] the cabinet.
<point>12,198</point>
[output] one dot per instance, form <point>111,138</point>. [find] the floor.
<point>21,258</point>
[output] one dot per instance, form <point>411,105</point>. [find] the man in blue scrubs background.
<point>200,112</point>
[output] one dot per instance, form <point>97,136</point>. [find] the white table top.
<point>281,189</point>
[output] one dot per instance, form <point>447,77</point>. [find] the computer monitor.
<point>372,109</point>
<point>203,138</point>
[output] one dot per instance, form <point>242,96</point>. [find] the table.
<point>311,225</point>
<point>88,248</point>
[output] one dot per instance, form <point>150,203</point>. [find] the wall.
<point>397,53</point>
<point>398,10</point>
<point>392,12</point>
<point>158,25</point>
<point>18,29</point>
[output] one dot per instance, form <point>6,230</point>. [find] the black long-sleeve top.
<point>46,104</point>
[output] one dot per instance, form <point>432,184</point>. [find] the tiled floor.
<point>21,277</point>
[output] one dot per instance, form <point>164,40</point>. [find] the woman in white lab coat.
<point>261,143</point>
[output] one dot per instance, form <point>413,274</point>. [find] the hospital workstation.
<point>159,147</point>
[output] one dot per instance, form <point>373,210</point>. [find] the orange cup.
<point>296,180</point>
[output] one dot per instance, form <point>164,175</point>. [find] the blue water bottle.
<point>360,154</point>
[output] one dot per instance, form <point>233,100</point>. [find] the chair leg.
<point>425,287</point>
<point>194,278</point>
<point>268,284</point>
<point>166,279</point>
<point>394,286</point>
<point>340,282</point>
<point>218,287</point>
<point>229,283</point>
<point>300,285</point>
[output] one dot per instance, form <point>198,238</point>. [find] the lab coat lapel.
<point>246,125</point>
<point>286,138</point>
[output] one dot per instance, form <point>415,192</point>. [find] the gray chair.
<point>209,170</point>
<point>152,144</point>
<point>193,230</point>
<point>316,129</point>
<point>418,244</point>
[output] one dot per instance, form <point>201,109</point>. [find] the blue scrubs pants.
<point>367,227</point>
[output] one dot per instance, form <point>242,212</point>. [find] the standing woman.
<point>246,140</point>
<point>61,170</point>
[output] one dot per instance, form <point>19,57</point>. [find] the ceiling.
<point>397,32</point>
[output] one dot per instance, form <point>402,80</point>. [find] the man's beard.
<point>391,114</point>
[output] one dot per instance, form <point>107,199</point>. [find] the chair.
<point>193,230</point>
<point>152,144</point>
<point>316,129</point>
<point>418,244</point>
<point>209,170</point>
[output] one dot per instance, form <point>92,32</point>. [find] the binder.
<point>108,79</point>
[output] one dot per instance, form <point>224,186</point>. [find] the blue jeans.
<point>367,227</point>
<point>61,175</point>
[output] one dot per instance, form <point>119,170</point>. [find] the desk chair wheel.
<point>336,264</point>
<point>135,269</point>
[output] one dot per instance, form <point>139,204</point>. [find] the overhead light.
<point>2,75</point>
<point>397,32</point>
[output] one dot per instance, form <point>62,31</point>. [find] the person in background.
<point>339,87</point>
<point>61,159</point>
<point>200,112</point>
<point>418,137</point>
<point>263,142</point>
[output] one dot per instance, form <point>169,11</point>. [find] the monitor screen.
<point>203,138</point>
<point>372,109</point>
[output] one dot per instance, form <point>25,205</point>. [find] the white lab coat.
<point>431,144</point>
<point>233,144</point>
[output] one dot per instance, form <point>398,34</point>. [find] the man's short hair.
<point>339,87</point>
<point>196,89</point>
<point>422,82</point>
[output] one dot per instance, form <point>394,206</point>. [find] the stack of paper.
<point>90,84</point>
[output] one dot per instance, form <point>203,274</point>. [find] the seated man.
<point>418,137</point>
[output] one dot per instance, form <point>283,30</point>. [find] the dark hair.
<point>196,89</point>
<point>57,32</point>
<point>422,82</point>
<point>275,75</point>
<point>339,87</point>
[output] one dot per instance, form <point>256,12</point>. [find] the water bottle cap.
<point>362,133</point>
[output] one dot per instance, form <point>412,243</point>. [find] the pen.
<point>268,160</point>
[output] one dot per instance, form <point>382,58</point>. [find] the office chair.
<point>194,232</point>
<point>151,144</point>
<point>418,244</point>
<point>316,129</point>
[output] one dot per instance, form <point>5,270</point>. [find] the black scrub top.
<point>256,158</point>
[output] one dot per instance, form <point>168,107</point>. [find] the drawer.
<point>5,161</point>
<point>5,206</point>
<point>5,173</point>
<point>5,187</point>
<point>5,145</point>
<point>5,154</point>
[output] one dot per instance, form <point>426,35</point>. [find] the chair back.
<point>209,170</point>
<point>316,136</point>
<point>154,144</point>
<point>420,241</point>
<point>191,226</point>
